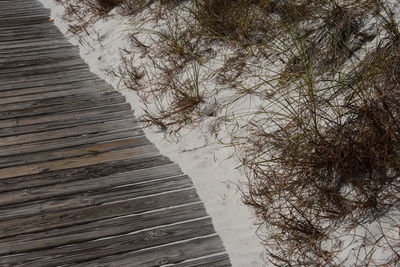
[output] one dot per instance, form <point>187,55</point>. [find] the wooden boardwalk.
<point>80,185</point>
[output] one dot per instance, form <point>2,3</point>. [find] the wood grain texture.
<point>79,104</point>
<point>80,184</point>
<point>75,151</point>
<point>174,254</point>
<point>128,129</point>
<point>117,244</point>
<point>100,229</point>
<point>76,81</point>
<point>81,173</point>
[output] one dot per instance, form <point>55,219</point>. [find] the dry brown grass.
<point>83,13</point>
<point>325,154</point>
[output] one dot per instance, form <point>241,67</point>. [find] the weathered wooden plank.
<point>42,101</point>
<point>124,131</point>
<point>18,69</point>
<point>62,133</point>
<point>9,54</point>
<point>6,9</point>
<point>26,37</point>
<point>18,12</point>
<point>20,6</point>
<point>29,21</point>
<point>115,245</point>
<point>24,20</point>
<point>68,137</point>
<point>21,9</point>
<point>5,18</point>
<point>39,49</point>
<point>20,3</point>
<point>94,198</point>
<point>42,128</point>
<point>23,3</point>
<point>62,107</point>
<point>70,152</point>
<point>62,164</point>
<point>79,82</point>
<point>31,12</point>
<point>100,229</point>
<point>33,43</point>
<point>88,199</point>
<point>27,10</point>
<point>17,32</point>
<point>91,185</point>
<point>12,18</point>
<point>54,78</point>
<point>27,75</point>
<point>174,253</point>
<point>45,121</point>
<point>23,27</point>
<point>35,61</point>
<point>219,260</point>
<point>32,27</point>
<point>73,115</point>
<point>57,220</point>
<point>42,38</point>
<point>81,173</point>
<point>59,96</point>
<point>45,56</point>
